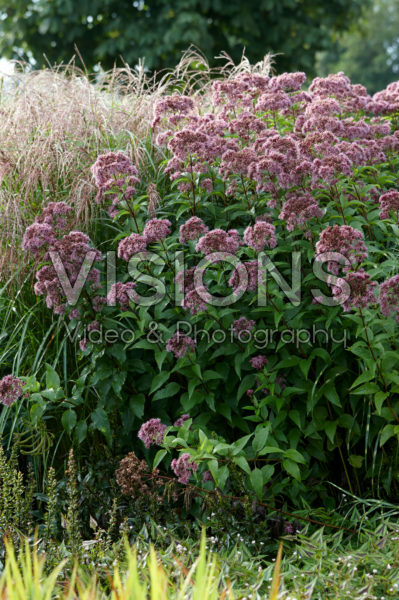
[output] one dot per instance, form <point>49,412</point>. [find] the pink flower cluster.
<point>131,245</point>
<point>192,229</point>
<point>389,203</point>
<point>54,221</point>
<point>254,277</point>
<point>173,109</point>
<point>180,344</point>
<point>243,325</point>
<point>362,291</point>
<point>346,241</point>
<point>71,250</point>
<point>218,240</point>
<point>114,174</point>
<point>240,137</point>
<point>389,297</point>
<point>11,389</point>
<point>299,209</point>
<point>121,293</point>
<point>260,236</point>
<point>183,467</point>
<point>152,432</point>
<point>258,362</point>
<point>181,420</point>
<point>196,300</point>
<point>156,230</point>
<point>58,215</point>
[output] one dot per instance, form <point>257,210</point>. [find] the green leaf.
<point>246,384</point>
<point>270,450</point>
<point>294,455</point>
<point>158,457</point>
<point>242,462</point>
<point>242,442</point>
<point>170,390</point>
<point>387,433</point>
<point>364,377</point>
<point>256,479</point>
<point>366,389</point>
<point>158,381</point>
<point>292,469</point>
<point>80,431</point>
<point>356,461</point>
<point>68,420</point>
<point>100,421</point>
<point>136,405</point>
<point>261,435</point>
<point>267,472</point>
<point>208,375</point>
<point>52,379</point>
<point>330,428</point>
<point>379,400</point>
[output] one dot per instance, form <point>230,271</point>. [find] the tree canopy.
<point>160,30</point>
<point>370,54</point>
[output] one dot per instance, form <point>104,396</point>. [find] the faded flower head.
<point>135,479</point>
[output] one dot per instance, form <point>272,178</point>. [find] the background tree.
<point>369,54</point>
<point>159,30</point>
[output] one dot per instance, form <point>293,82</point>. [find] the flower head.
<point>346,241</point>
<point>192,229</point>
<point>10,389</point>
<point>181,420</point>
<point>258,362</point>
<point>152,432</point>
<point>389,297</point>
<point>156,230</point>
<point>242,325</point>
<point>218,240</point>
<point>180,344</point>
<point>131,245</point>
<point>121,293</point>
<point>260,236</point>
<point>389,202</point>
<point>362,290</point>
<point>183,467</point>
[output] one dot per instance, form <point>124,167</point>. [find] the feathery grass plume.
<point>56,121</point>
